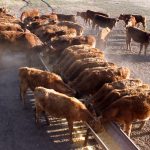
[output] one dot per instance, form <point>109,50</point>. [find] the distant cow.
<point>29,13</point>
<point>62,42</point>
<point>3,10</point>
<point>138,18</point>
<point>51,16</point>
<point>72,25</point>
<point>138,36</point>
<point>62,106</point>
<point>32,78</point>
<point>104,22</point>
<point>62,17</point>
<point>90,15</point>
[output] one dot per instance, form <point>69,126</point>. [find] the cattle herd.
<point>82,84</point>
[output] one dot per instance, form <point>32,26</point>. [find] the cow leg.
<point>23,90</point>
<point>128,43</point>
<point>86,137</point>
<point>89,21</point>
<point>146,45</point>
<point>93,25</point>
<point>128,127</point>
<point>142,125</point>
<point>46,118</point>
<point>38,112</point>
<point>141,47</point>
<point>70,125</point>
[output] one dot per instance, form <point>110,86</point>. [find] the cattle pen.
<point>18,128</point>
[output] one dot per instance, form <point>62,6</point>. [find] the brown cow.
<point>32,78</point>
<point>51,16</point>
<point>128,109</point>
<point>139,36</point>
<point>108,87</point>
<point>62,17</point>
<point>63,42</point>
<point>79,65</point>
<point>11,27</point>
<point>96,77</point>
<point>72,25</point>
<point>80,54</point>
<point>62,106</point>
<point>118,93</point>
<point>29,13</point>
<point>46,32</point>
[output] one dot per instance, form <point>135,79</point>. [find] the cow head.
<point>97,125</point>
<point>3,10</point>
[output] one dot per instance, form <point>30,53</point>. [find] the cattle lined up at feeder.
<point>83,69</point>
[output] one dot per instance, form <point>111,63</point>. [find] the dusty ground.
<point>17,125</point>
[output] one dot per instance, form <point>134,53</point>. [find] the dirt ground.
<point>15,121</point>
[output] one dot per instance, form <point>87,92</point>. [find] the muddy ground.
<point>14,121</point>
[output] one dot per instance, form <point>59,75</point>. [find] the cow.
<point>47,32</point>
<point>138,18</point>
<point>63,42</point>
<point>118,93</point>
<point>72,25</point>
<point>3,10</point>
<point>62,106</point>
<point>138,36</point>
<point>118,85</point>
<point>79,65</point>
<point>68,50</point>
<point>128,109</point>
<point>32,78</point>
<point>104,22</point>
<point>62,17</point>
<point>76,55</point>
<point>51,16</point>
<point>11,27</point>
<point>97,77</point>
<point>26,42</point>
<point>90,15</point>
<point>29,13</point>
<point>60,43</point>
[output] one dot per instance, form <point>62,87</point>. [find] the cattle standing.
<point>63,106</point>
<point>90,15</point>
<point>104,22</point>
<point>138,36</point>
<point>126,110</point>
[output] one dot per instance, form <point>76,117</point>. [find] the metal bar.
<point>97,138</point>
<point>121,138</point>
<point>46,68</point>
